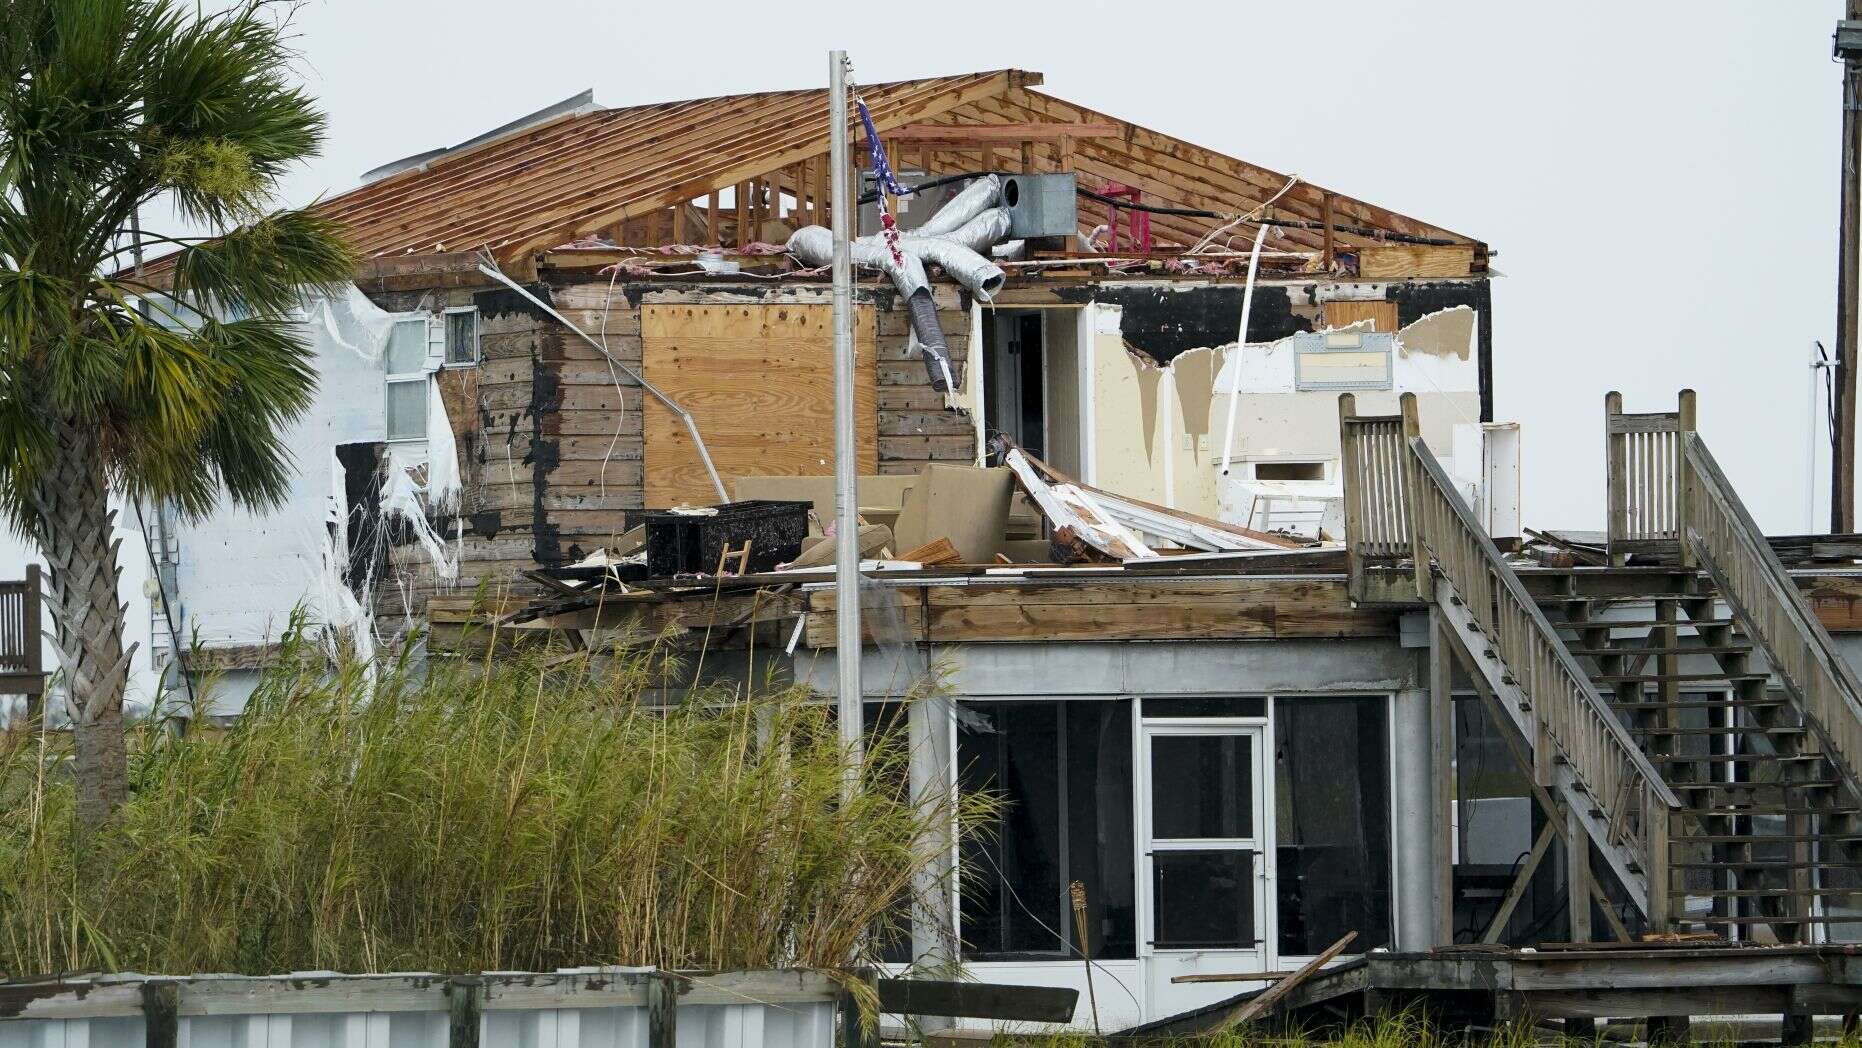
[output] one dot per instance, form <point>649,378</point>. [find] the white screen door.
<point>1207,870</point>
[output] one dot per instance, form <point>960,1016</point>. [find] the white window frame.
<point>446,334</point>
<point>1344,343</point>
<point>394,378</point>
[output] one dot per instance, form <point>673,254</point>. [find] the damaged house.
<point>1256,669</point>
<point>1100,349</point>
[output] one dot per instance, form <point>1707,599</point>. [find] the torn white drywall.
<point>1157,429</point>
<point>241,573</point>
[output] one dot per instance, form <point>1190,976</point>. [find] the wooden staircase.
<point>1691,720</point>
<point>1765,828</point>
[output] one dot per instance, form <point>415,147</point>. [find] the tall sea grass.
<point>526,814</point>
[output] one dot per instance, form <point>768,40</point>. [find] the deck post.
<point>1442,774</point>
<point>1684,430</point>
<point>1415,811</point>
<point>1412,488</point>
<point>1656,829</point>
<point>1354,497</point>
<point>1577,874</point>
<point>34,631</point>
<point>934,903</point>
<point>1615,468</point>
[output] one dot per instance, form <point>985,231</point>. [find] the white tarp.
<point>241,573</point>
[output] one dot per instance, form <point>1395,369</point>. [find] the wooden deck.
<point>1575,985</point>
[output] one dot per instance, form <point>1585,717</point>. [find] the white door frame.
<point>1260,730</point>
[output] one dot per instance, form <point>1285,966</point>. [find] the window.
<point>406,394</point>
<point>1343,360</point>
<point>462,336</point>
<point>1332,815</point>
<point>1289,471</point>
<point>1205,899</point>
<point>1202,786</point>
<point>1063,771</point>
<point>1212,706</point>
<point>888,724</point>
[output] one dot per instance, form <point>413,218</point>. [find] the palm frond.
<point>105,106</point>
<point>265,266</point>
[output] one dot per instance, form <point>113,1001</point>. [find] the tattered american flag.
<point>881,169</point>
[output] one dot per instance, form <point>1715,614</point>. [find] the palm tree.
<point>105,107</point>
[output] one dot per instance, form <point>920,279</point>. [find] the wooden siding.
<point>1222,609</point>
<point>552,441</point>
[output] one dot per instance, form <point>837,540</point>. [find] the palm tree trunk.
<point>75,521</point>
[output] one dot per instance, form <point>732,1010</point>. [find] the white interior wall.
<point>1157,430</point>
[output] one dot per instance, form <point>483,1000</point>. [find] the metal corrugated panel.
<point>592,1007</point>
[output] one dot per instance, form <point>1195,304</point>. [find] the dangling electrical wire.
<point>1256,212</point>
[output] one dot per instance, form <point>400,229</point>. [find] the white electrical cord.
<point>1241,344</point>
<point>1239,219</point>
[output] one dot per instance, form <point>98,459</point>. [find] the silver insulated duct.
<point>957,238</point>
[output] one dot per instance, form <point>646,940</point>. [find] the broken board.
<point>1382,315</point>
<point>759,380</point>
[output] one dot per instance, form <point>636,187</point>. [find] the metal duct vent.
<point>1040,205</point>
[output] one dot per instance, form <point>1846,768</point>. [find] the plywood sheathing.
<point>557,438</point>
<point>1399,261</point>
<point>759,380</point>
<point>1382,316</point>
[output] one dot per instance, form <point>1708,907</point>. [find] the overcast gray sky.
<point>1658,179</point>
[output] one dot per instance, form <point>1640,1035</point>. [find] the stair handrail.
<point>1752,581</point>
<point>1571,716</point>
<point>1643,477</point>
<point>1371,473</point>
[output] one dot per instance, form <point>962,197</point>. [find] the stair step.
<point>1664,649</point>
<point>1741,729</point>
<point>1699,704</point>
<point>1693,789</point>
<point>1761,838</point>
<point>1767,893</point>
<point>1678,678</point>
<point>1732,810</point>
<point>1766,864</point>
<point>1591,624</point>
<point>1731,758</point>
<point>1806,919</point>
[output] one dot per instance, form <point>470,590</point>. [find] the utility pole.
<point>1843,462</point>
<point>846,466</point>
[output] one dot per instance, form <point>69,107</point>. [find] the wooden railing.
<point>1644,470</point>
<point>1771,609</point>
<point>1622,787</point>
<point>22,666</point>
<point>1373,471</point>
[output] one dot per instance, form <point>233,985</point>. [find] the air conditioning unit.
<point>1041,205</point>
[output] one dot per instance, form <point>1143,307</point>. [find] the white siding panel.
<point>581,1008</point>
